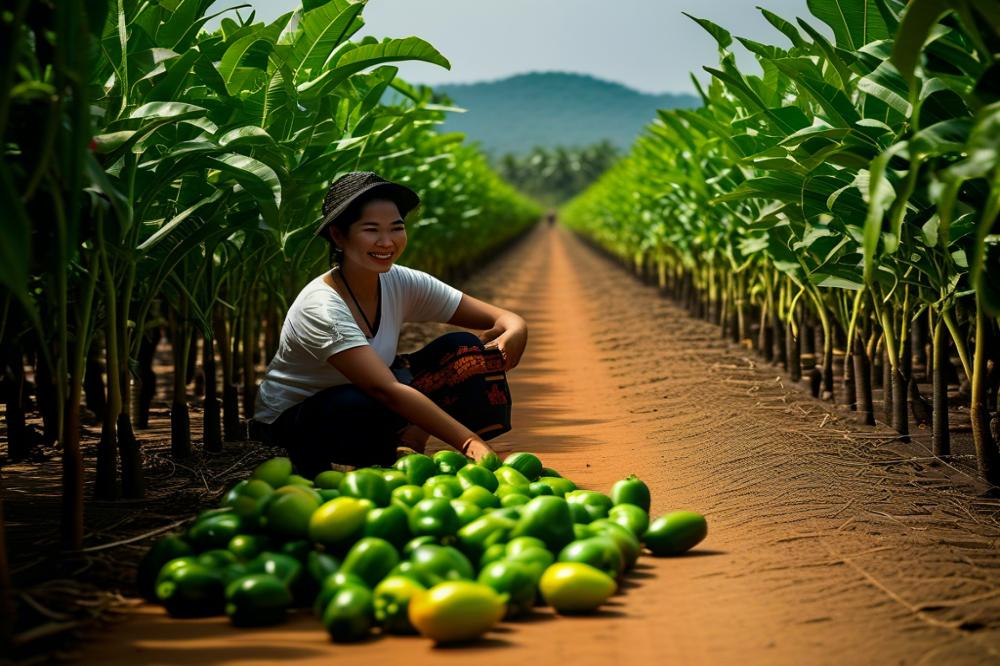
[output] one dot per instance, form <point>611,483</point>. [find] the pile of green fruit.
<point>441,546</point>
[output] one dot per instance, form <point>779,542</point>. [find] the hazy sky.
<point>646,44</point>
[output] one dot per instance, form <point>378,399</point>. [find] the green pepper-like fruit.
<point>213,531</point>
<point>274,472</point>
<point>547,518</point>
<point>248,546</point>
<point>392,603</point>
<point>627,542</point>
<point>443,485</point>
<point>287,514</point>
<point>456,611</point>
<point>330,479</point>
<point>449,462</point>
<point>466,511</point>
<point>490,461</point>
<point>283,567</point>
<point>481,497</point>
<point>329,588</point>
<point>600,552</point>
<point>390,523</point>
<point>631,490</point>
<point>417,467</point>
<point>559,485</point>
<point>433,517</point>
<point>321,566</point>
<point>194,590</point>
<point>675,533</point>
<point>435,564</point>
<point>217,558</point>
<point>527,464</point>
<point>417,542</point>
<point>538,488</point>
<point>630,516</point>
<point>407,496</point>
<point>594,503</point>
<point>166,549</point>
<point>513,579</point>
<point>339,521</point>
<point>257,600</point>
<point>394,479</point>
<point>483,532</point>
<point>476,475</point>
<point>574,587</point>
<point>350,614</point>
<point>370,559</point>
<point>536,559</point>
<point>365,484</point>
<point>511,476</point>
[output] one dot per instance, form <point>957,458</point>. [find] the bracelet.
<point>465,445</point>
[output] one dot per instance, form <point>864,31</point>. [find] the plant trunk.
<point>778,335</point>
<point>940,437</point>
<point>147,376</point>
<point>918,337</point>
<point>180,422</point>
<point>765,337</point>
<point>211,426</point>
<point>18,443</point>
<point>886,381</point>
<point>850,381</point>
<point>863,383</point>
<point>900,418</point>
<point>794,357</point>
<point>987,456</point>
<point>71,519</point>
<point>93,383</point>
<point>133,480</point>
<point>230,402</point>
<point>249,349</point>
<point>46,399</point>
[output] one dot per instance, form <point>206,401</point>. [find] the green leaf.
<point>918,19</point>
<point>324,29</point>
<point>721,35</point>
<point>854,22</point>
<point>358,58</point>
<point>786,28</point>
<point>887,85</point>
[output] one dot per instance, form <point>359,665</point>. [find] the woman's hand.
<point>476,449</point>
<point>510,339</point>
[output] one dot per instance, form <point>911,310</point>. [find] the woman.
<point>336,391</point>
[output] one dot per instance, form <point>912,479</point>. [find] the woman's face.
<point>376,239</point>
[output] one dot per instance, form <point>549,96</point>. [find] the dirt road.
<point>828,544</point>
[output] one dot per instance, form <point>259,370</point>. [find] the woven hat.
<point>350,186</point>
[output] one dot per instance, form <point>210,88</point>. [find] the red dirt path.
<point>828,543</point>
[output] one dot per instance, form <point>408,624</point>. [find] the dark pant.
<point>343,425</point>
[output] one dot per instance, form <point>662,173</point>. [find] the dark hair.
<point>350,215</point>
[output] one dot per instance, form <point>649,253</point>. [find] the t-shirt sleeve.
<point>428,298</point>
<point>323,328</point>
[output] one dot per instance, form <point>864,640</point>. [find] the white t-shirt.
<point>319,324</point>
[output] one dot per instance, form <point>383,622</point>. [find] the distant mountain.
<point>516,114</point>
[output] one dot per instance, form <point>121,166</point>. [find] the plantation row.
<point>852,186</point>
<point>158,175</point>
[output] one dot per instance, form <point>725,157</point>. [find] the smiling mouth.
<point>380,256</point>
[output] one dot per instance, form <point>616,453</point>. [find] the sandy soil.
<point>828,543</point>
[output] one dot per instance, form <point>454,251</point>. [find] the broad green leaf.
<point>887,85</point>
<point>324,30</point>
<point>854,22</point>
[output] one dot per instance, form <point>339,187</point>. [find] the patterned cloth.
<point>342,424</point>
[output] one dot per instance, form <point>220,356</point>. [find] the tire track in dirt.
<point>827,544</point>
